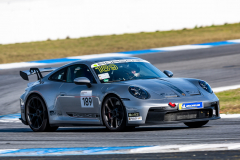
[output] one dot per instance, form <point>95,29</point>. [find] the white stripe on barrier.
<point>20,65</point>
<point>183,47</point>
<point>234,40</point>
<point>99,56</point>
<point>230,115</point>
<point>220,89</point>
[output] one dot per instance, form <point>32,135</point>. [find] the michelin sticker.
<point>103,76</point>
<point>135,118</point>
<point>86,99</point>
<point>184,106</point>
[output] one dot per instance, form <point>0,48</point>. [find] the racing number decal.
<point>86,99</point>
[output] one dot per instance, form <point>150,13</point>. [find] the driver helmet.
<point>134,69</point>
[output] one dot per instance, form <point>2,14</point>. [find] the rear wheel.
<point>196,124</point>
<point>37,115</point>
<point>113,114</point>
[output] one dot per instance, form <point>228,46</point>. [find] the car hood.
<point>167,87</point>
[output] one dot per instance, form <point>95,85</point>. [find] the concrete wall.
<point>37,20</point>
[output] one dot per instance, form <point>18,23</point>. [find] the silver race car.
<point>118,92</point>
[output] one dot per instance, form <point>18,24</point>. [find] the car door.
<point>79,101</point>
<point>50,89</point>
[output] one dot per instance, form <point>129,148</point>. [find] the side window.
<point>79,70</point>
<point>59,76</point>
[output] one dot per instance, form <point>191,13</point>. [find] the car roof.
<point>90,61</point>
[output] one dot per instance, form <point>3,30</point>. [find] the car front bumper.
<point>151,114</point>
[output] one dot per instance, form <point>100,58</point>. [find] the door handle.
<point>62,94</point>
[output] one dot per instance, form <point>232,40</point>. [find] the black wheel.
<point>113,114</point>
<point>36,115</point>
<point>196,124</point>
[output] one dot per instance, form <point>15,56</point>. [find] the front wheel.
<point>113,114</point>
<point>37,115</point>
<point>196,124</point>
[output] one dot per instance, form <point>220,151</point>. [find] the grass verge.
<point>115,43</point>
<point>229,101</point>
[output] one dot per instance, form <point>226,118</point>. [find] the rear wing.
<point>37,71</point>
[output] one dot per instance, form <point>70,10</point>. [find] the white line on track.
<point>117,150</point>
<point>187,148</point>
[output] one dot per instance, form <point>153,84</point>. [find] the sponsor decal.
<point>133,114</point>
<point>135,118</point>
<point>106,68</point>
<point>105,80</point>
<point>184,106</point>
<point>103,76</point>
<point>117,61</point>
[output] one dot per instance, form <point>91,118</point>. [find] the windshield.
<point>124,70</point>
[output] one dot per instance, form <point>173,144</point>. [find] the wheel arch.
<point>104,98</point>
<point>27,99</point>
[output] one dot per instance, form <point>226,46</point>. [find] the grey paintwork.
<point>62,98</point>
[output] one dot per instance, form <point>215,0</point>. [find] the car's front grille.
<point>156,115</point>
<point>189,114</point>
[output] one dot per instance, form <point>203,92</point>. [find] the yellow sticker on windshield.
<point>106,68</point>
<point>103,68</point>
<point>113,67</point>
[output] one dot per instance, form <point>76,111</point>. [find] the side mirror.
<point>168,73</point>
<point>82,81</point>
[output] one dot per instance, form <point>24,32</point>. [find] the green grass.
<point>115,43</point>
<point>229,101</point>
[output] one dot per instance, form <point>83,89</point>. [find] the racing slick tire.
<point>114,114</point>
<point>196,124</point>
<point>37,115</point>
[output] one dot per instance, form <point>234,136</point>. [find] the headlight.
<point>205,86</point>
<point>138,92</point>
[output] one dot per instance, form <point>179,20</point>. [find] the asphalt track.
<point>219,66</point>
